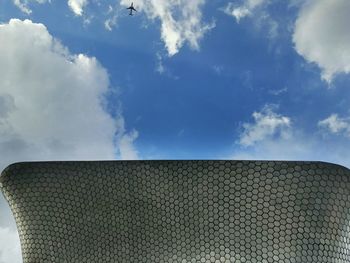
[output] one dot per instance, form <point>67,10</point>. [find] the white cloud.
<point>113,14</point>
<point>23,4</point>
<point>271,136</point>
<point>51,101</point>
<point>297,147</point>
<point>77,6</point>
<point>218,69</point>
<point>10,250</point>
<point>110,22</point>
<point>279,139</point>
<point>256,10</point>
<point>278,92</point>
<point>322,35</point>
<point>126,146</point>
<point>267,124</point>
<point>127,149</point>
<point>245,9</point>
<point>160,68</point>
<point>335,124</point>
<point>181,21</point>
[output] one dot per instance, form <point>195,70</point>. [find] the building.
<point>180,211</point>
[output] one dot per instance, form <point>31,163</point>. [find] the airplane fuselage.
<point>131,8</point>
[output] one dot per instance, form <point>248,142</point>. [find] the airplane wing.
<point>134,9</point>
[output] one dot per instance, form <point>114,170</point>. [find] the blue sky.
<point>199,79</point>
<point>194,104</point>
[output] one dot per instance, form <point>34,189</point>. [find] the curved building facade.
<point>180,211</point>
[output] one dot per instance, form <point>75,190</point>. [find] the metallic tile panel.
<point>180,211</point>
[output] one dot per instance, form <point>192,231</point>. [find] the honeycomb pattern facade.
<point>180,211</point>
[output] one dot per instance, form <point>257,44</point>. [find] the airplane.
<point>131,9</point>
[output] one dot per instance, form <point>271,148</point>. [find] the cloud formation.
<point>257,11</point>
<point>336,125</point>
<point>23,4</point>
<point>51,101</point>
<point>322,35</point>
<point>181,21</point>
<point>267,124</point>
<point>125,141</point>
<point>77,6</point>
<point>246,8</point>
<point>272,136</point>
<point>112,20</point>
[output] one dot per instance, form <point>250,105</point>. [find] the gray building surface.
<point>180,211</point>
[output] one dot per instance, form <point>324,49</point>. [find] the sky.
<point>181,79</point>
